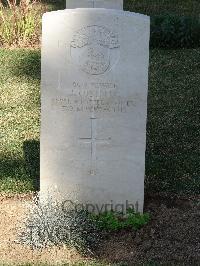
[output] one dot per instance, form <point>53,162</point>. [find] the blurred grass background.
<point>159,7</point>
<point>173,23</point>
<point>173,128</point>
<point>148,7</point>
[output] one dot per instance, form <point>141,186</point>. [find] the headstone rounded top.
<point>99,11</point>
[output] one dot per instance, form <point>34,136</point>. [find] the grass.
<point>149,7</point>
<point>66,264</point>
<point>158,7</point>
<point>172,158</point>
<point>20,21</point>
<point>79,264</point>
<point>19,117</point>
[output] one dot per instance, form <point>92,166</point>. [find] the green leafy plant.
<point>112,221</point>
<point>20,23</point>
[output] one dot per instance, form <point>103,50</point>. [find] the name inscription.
<point>93,97</point>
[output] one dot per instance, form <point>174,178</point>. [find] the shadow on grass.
<point>21,174</point>
<point>32,161</point>
<point>20,63</point>
<point>14,177</point>
<point>28,64</point>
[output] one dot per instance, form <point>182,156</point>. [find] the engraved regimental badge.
<point>95,49</point>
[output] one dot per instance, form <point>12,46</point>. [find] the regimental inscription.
<point>92,48</point>
<point>91,104</point>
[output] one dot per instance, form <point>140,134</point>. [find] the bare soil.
<point>12,212</point>
<point>171,238</point>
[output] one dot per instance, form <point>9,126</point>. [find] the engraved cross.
<point>93,140</point>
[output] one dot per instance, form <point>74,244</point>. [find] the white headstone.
<point>109,4</point>
<point>94,105</point>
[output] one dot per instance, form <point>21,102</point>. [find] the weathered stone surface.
<point>109,4</point>
<point>94,105</point>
